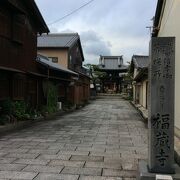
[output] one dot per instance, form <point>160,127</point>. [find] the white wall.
<point>141,95</point>
<point>135,72</point>
<point>170,26</point>
<point>144,94</point>
<point>134,93</point>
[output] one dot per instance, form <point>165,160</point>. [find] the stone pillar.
<point>161,112</point>
<point>161,109</point>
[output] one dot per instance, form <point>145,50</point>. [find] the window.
<point>53,59</point>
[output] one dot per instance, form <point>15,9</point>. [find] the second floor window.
<point>54,59</point>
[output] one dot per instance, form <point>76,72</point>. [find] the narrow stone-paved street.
<point>106,138</point>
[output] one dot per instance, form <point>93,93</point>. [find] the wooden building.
<point>20,22</point>
<point>65,50</point>
<point>53,73</point>
<point>114,68</point>
<point>139,70</point>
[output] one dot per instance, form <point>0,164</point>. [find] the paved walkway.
<point>102,141</point>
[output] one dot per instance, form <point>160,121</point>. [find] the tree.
<point>96,74</point>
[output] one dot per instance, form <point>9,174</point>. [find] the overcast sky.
<point>106,27</point>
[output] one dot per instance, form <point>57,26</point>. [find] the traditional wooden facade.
<point>66,50</point>
<point>139,71</point>
<point>20,22</point>
<point>114,68</point>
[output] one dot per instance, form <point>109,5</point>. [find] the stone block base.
<point>143,173</point>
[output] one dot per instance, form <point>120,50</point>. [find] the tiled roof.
<point>111,57</point>
<point>45,61</point>
<point>112,66</point>
<point>112,63</point>
<point>140,61</point>
<point>61,40</point>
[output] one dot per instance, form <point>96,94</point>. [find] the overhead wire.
<point>72,12</point>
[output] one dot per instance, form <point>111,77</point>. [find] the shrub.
<point>52,98</point>
<point>6,107</point>
<point>20,110</point>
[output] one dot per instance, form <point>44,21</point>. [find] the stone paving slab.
<point>99,178</point>
<point>82,171</point>
<point>48,176</point>
<point>113,165</point>
<point>54,157</point>
<point>120,173</point>
<point>87,158</point>
<point>22,155</point>
<point>67,163</point>
<point>39,168</point>
<point>17,175</point>
<point>74,152</point>
<point>103,141</point>
<point>11,167</point>
<point>32,161</point>
<point>6,160</point>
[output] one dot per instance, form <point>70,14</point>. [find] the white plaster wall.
<point>135,72</point>
<point>134,93</point>
<point>141,94</point>
<point>144,94</point>
<point>170,26</point>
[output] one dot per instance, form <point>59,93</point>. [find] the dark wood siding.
<point>5,23</point>
<point>18,87</point>
<point>76,61</point>
<point>18,47</point>
<point>4,85</point>
<point>18,28</point>
<point>18,40</point>
<point>32,90</point>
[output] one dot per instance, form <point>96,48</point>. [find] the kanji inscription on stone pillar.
<point>161,107</point>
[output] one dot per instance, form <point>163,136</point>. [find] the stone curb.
<point>140,112</point>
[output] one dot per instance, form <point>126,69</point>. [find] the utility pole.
<point>150,29</point>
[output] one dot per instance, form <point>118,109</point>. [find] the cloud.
<point>67,31</point>
<point>53,30</point>
<point>94,45</point>
<point>113,27</point>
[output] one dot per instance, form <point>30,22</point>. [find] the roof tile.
<point>140,61</point>
<point>62,40</point>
